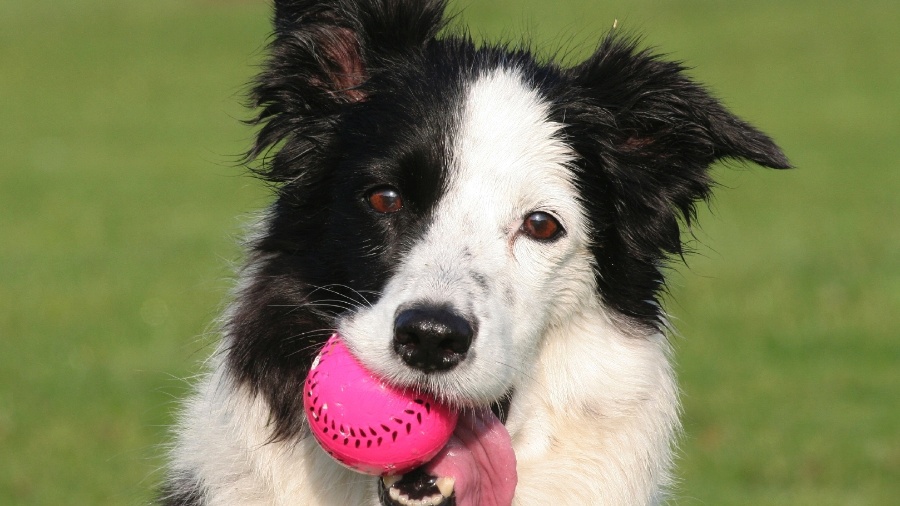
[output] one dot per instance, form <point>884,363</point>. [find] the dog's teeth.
<point>405,499</point>
<point>390,480</point>
<point>445,485</point>
<point>434,500</point>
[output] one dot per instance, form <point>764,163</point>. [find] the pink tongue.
<point>480,458</point>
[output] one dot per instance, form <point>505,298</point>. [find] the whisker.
<point>304,350</point>
<point>328,288</point>
<point>324,303</point>
<point>516,369</point>
<point>310,333</point>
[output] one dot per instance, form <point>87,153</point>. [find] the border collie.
<point>475,223</point>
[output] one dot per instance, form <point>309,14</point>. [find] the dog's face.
<point>490,240</point>
<point>443,205</point>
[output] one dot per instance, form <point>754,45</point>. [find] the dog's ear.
<point>321,55</point>
<point>648,135</point>
<point>654,133</point>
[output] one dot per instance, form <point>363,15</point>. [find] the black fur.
<point>343,125</point>
<point>646,136</point>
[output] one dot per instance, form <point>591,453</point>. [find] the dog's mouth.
<point>477,466</point>
<point>417,487</point>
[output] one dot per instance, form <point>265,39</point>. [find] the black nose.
<point>431,338</point>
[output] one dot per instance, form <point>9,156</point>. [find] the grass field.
<point>120,203</point>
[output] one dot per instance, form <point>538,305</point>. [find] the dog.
<point>476,224</point>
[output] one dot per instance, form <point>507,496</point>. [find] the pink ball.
<point>366,424</point>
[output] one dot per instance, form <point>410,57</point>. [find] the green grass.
<point>119,206</point>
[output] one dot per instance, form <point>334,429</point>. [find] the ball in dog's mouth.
<point>367,424</point>
<point>428,454</point>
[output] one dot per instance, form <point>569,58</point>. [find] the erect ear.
<point>655,134</point>
<point>323,52</point>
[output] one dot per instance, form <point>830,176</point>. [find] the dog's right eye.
<point>542,226</point>
<point>385,200</point>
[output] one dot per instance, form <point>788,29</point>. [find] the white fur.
<point>595,407</point>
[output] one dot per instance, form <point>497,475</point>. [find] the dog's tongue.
<point>480,458</point>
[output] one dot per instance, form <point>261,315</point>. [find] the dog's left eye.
<point>385,199</point>
<point>542,226</point>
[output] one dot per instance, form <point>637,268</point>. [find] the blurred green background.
<point>120,205</point>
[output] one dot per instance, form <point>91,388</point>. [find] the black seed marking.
<point>394,436</point>
<point>332,425</point>
<point>379,441</point>
<point>326,418</point>
<point>334,437</point>
<point>428,408</point>
<point>369,443</point>
<point>419,401</point>
<point>357,443</point>
<point>313,386</point>
<point>385,427</point>
<point>316,400</point>
<point>408,428</point>
<point>372,431</point>
<point>325,430</point>
<point>352,432</point>
<point>397,420</point>
<point>419,417</point>
<point>346,441</point>
<point>409,411</point>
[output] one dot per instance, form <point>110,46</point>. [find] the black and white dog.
<point>474,223</point>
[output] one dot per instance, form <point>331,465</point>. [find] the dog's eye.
<point>542,226</point>
<point>385,200</point>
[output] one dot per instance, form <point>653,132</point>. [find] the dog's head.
<point>442,205</point>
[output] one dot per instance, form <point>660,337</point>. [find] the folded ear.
<point>647,135</point>
<point>654,133</point>
<point>323,52</point>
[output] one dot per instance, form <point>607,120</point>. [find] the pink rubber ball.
<point>366,424</point>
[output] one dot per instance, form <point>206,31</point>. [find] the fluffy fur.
<point>363,94</point>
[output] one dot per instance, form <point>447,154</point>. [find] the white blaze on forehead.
<point>508,151</point>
